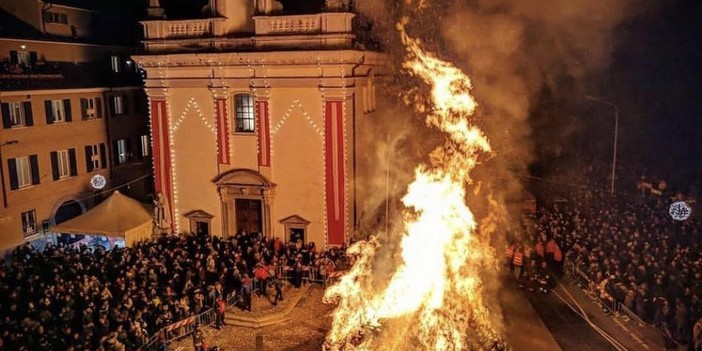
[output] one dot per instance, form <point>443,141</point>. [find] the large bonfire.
<point>433,300</point>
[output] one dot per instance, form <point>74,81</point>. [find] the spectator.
<point>90,298</point>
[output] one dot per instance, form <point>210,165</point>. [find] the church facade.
<point>254,116</point>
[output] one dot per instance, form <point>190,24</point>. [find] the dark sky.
<point>655,79</point>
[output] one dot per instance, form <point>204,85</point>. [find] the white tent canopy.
<point>117,216</point>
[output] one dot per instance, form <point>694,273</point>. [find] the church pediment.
<point>294,219</point>
<point>198,214</point>
<point>243,177</point>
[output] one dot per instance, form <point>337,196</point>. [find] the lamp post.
<point>2,171</point>
<point>616,133</point>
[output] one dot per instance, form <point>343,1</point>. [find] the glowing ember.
<point>433,300</point>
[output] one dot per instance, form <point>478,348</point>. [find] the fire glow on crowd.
<point>444,309</point>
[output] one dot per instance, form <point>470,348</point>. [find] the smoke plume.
<point>524,57</point>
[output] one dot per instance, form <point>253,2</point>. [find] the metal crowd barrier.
<point>612,305</point>
<point>166,335</point>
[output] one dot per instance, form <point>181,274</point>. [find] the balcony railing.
<point>320,23</point>
<point>179,29</point>
<point>188,29</point>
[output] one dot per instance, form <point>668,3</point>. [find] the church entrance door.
<point>249,215</point>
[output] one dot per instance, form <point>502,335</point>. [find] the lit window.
<point>16,117</point>
<point>58,110</point>
<point>122,153</point>
<point>16,114</point>
<point>145,146</point>
<point>63,164</point>
<point>95,157</point>
<point>91,108</point>
<point>244,114</point>
<point>23,172</point>
<point>115,63</point>
<point>29,225</point>
<point>23,58</point>
<point>54,17</point>
<point>118,105</point>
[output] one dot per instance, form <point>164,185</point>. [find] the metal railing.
<point>611,304</point>
<point>168,334</point>
<point>175,331</point>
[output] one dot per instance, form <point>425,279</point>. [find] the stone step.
<point>279,314</point>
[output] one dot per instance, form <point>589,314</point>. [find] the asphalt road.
<point>570,330</point>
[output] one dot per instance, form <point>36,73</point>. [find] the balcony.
<point>319,23</point>
<point>320,30</point>
<point>180,29</point>
<point>272,31</point>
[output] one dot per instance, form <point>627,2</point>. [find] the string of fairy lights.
<point>192,105</point>
<point>322,91</point>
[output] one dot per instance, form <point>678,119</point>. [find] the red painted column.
<point>264,138</point>
<point>163,180</point>
<point>334,171</point>
<point>222,131</point>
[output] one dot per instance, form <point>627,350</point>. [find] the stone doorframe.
<point>198,216</point>
<point>295,222</point>
<point>244,183</point>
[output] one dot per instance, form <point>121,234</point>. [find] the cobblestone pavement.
<point>310,320</point>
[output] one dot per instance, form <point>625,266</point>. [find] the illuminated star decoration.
<point>680,210</point>
<point>98,182</point>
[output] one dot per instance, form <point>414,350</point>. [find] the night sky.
<point>655,79</point>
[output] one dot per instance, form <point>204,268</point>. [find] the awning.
<point>117,216</point>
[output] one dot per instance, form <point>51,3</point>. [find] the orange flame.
<point>434,297</point>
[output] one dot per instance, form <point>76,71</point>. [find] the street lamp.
<point>616,133</point>
<point>2,172</point>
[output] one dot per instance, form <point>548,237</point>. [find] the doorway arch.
<point>245,201</point>
<point>68,209</point>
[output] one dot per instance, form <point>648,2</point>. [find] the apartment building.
<point>73,113</point>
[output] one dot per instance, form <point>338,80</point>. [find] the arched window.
<point>244,113</point>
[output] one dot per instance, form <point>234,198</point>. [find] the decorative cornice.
<point>275,58</point>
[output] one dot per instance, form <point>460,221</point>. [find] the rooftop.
<point>62,75</point>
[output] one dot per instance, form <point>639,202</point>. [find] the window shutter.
<point>112,105</point>
<point>33,57</point>
<point>84,108</point>
<point>34,164</point>
<point>67,109</point>
<point>140,148</point>
<point>125,104</point>
<point>24,222</point>
<point>129,149</point>
<point>89,158</point>
<point>28,117</point>
<point>54,165</point>
<point>13,57</point>
<point>115,153</point>
<point>6,122</point>
<point>49,112</point>
<point>72,162</point>
<point>12,170</point>
<point>98,107</point>
<point>103,156</point>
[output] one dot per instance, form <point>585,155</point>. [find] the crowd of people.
<point>79,298</point>
<point>631,251</point>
